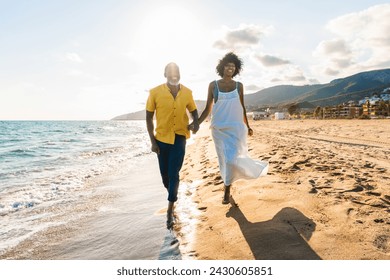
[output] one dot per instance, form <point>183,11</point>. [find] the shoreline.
<point>125,223</point>
<point>326,195</point>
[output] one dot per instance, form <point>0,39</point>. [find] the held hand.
<point>250,131</point>
<point>194,127</point>
<point>155,149</point>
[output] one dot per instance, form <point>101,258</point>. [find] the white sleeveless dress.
<point>229,133</point>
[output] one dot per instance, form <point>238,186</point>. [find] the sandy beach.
<point>327,194</point>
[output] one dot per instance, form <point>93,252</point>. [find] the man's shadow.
<point>284,237</point>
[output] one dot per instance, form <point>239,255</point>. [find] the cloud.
<point>334,46</point>
<point>331,72</point>
<point>294,74</point>
<point>269,60</point>
<point>286,75</point>
<point>337,54</point>
<point>297,78</point>
<point>314,81</point>
<point>252,88</point>
<point>361,42</point>
<point>242,37</point>
<point>74,57</point>
<point>371,24</point>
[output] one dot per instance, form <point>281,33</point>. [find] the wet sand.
<point>327,194</point>
<point>126,222</point>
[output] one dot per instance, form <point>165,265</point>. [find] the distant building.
<point>261,115</point>
<point>345,111</point>
<point>376,108</point>
<point>279,116</point>
<point>385,96</point>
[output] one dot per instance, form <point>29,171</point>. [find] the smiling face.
<point>172,73</point>
<point>229,69</point>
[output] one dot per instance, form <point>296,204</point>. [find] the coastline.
<point>124,223</point>
<point>326,195</point>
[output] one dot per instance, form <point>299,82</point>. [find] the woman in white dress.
<point>230,127</point>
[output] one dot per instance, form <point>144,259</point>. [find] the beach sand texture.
<point>327,194</point>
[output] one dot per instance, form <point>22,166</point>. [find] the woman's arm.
<point>209,103</point>
<point>241,93</point>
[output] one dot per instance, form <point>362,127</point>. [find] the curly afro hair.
<point>229,58</point>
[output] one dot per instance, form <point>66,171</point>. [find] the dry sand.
<point>327,194</point>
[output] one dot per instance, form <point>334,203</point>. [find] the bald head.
<point>171,65</point>
<point>172,73</point>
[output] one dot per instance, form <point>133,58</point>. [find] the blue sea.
<point>47,167</point>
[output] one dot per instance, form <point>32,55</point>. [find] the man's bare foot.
<point>170,221</point>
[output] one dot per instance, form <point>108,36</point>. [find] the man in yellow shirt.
<point>170,101</point>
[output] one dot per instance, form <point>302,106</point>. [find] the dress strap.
<point>216,91</point>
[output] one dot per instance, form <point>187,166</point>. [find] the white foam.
<point>187,211</point>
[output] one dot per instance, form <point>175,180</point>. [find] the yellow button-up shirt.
<point>171,115</point>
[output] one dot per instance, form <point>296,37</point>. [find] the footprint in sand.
<point>382,242</point>
<point>373,193</point>
<point>313,190</point>
<point>368,165</point>
<point>355,189</point>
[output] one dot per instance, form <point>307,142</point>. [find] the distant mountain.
<point>278,94</point>
<point>141,115</point>
<point>354,87</point>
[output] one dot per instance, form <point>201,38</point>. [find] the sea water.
<point>46,167</point>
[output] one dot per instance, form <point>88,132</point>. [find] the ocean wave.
<point>46,168</point>
<point>89,154</point>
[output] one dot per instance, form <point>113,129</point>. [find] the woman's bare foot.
<point>226,195</point>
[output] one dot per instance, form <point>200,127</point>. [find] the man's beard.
<point>173,83</point>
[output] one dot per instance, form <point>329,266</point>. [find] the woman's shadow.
<point>284,237</point>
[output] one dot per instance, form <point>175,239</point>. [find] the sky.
<point>94,60</point>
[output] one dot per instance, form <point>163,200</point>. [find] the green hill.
<point>354,87</point>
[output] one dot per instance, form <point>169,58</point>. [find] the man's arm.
<point>195,121</point>
<point>150,127</point>
<point>207,109</point>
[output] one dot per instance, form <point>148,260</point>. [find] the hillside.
<point>355,88</point>
<point>278,94</point>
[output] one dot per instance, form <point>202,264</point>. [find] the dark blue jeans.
<point>170,160</point>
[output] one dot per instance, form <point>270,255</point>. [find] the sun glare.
<point>168,33</point>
